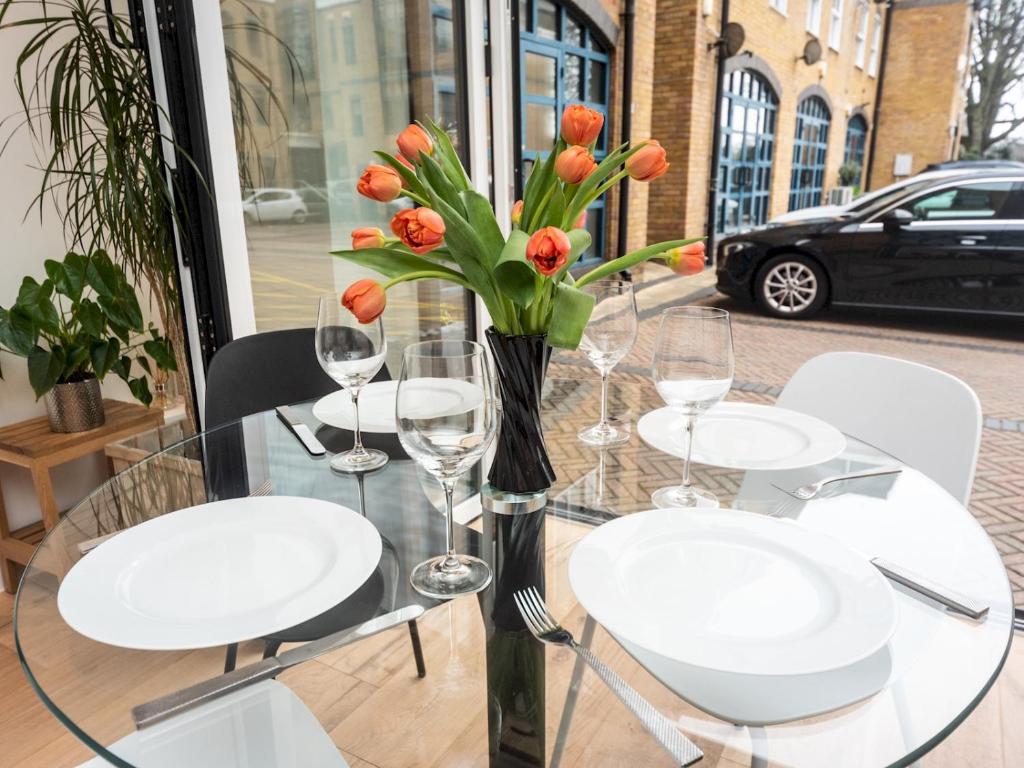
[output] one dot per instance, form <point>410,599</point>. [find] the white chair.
<point>924,417</point>
<point>262,726</point>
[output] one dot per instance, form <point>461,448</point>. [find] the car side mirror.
<point>893,221</point>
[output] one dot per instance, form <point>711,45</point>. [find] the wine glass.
<point>446,420</point>
<point>609,335</point>
<point>692,370</point>
<point>351,353</point>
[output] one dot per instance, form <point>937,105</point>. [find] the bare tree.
<point>997,69</point>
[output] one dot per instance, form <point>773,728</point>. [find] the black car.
<point>956,244</point>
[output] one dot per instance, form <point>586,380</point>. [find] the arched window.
<point>810,146</point>
<point>562,62</point>
<point>745,160</point>
<point>856,137</point>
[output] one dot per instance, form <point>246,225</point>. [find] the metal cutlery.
<point>172,704</point>
<point>301,431</point>
<point>809,491</point>
<point>545,628</point>
<point>948,597</point>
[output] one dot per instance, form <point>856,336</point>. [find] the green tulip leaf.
<point>570,312</point>
<point>481,219</point>
<point>394,263</point>
<point>515,275</point>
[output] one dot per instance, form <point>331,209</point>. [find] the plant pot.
<point>75,406</point>
<point>521,463</point>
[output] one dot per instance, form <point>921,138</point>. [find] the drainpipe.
<point>878,91</point>
<point>716,136</point>
<point>628,14</point>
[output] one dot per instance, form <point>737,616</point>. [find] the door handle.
<point>971,239</point>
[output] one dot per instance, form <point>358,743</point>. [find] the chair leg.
<point>231,657</point>
<point>417,649</point>
<point>270,648</point>
<point>571,695</point>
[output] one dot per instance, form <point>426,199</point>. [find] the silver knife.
<point>301,431</point>
<point>950,598</point>
<point>172,704</point>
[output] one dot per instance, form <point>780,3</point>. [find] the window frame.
<point>835,24</point>
<point>780,6</point>
<point>861,38</point>
<point>876,37</point>
<point>814,9</point>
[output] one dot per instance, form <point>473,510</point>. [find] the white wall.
<point>25,244</point>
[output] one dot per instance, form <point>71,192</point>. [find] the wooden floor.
<point>369,700</point>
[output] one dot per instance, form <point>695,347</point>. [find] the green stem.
<point>426,275</point>
<point>632,259</point>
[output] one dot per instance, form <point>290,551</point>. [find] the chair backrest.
<point>925,417</point>
<point>259,372</point>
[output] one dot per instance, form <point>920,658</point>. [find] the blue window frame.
<point>561,63</point>
<point>749,108</point>
<point>810,146</point>
<point>856,138</point>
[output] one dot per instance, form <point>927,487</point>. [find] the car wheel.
<point>791,286</point>
<point>299,217</point>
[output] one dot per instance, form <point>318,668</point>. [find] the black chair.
<point>257,373</point>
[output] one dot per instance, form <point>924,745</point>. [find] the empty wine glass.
<point>692,369</point>
<point>446,418</point>
<point>351,353</point>
<point>609,335</point>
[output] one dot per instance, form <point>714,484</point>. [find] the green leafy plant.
<point>849,174</point>
<point>83,320</point>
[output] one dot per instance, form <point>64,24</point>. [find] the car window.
<point>968,201</point>
<point>271,197</point>
<point>885,199</point>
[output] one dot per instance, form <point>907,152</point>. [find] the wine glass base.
<point>604,434</point>
<point>432,578</point>
<point>678,496</point>
<point>363,461</point>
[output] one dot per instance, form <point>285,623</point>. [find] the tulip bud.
<point>574,164</point>
<point>581,125</point>
<point>414,140</point>
<point>367,237</point>
<point>648,162</point>
<point>365,299</point>
<point>688,260</point>
<point>380,182</point>
<point>548,250</point>
<point>421,229</point>
<point>517,211</point>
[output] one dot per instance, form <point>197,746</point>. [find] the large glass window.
<point>329,82</point>
<point>749,108</point>
<point>856,138</point>
<point>810,146</point>
<point>562,62</point>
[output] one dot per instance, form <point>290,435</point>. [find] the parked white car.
<point>907,184</point>
<point>275,204</point>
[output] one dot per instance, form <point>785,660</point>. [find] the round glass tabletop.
<point>378,711</point>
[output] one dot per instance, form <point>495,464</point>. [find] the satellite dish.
<point>733,38</point>
<point>812,52</point>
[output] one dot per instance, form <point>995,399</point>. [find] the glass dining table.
<point>368,697</point>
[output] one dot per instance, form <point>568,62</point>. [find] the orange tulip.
<point>517,211</point>
<point>367,237</point>
<point>688,260</point>
<point>414,140</point>
<point>421,229</point>
<point>574,164</point>
<point>380,182</point>
<point>648,163</point>
<point>581,125</point>
<point>365,299</point>
<point>548,249</point>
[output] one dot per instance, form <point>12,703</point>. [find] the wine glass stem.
<point>358,446</point>
<point>450,561</point>
<point>604,398</point>
<point>691,421</point>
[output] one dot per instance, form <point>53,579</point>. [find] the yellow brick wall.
<point>923,94</point>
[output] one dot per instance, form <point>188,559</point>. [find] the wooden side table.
<point>32,445</point>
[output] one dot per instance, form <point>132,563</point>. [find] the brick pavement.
<point>986,353</point>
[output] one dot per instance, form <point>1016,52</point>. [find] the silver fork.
<point>809,491</point>
<point>544,627</point>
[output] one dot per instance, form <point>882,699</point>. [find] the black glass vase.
<point>521,463</point>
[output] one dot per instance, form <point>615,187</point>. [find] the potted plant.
<point>76,326</point>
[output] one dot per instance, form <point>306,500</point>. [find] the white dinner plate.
<point>440,397</point>
<point>746,436</point>
<point>733,591</point>
<point>219,573</point>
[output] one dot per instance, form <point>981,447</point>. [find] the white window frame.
<point>814,17</point>
<point>876,36</point>
<point>862,37</point>
<point>835,24</point>
<point>778,5</point>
